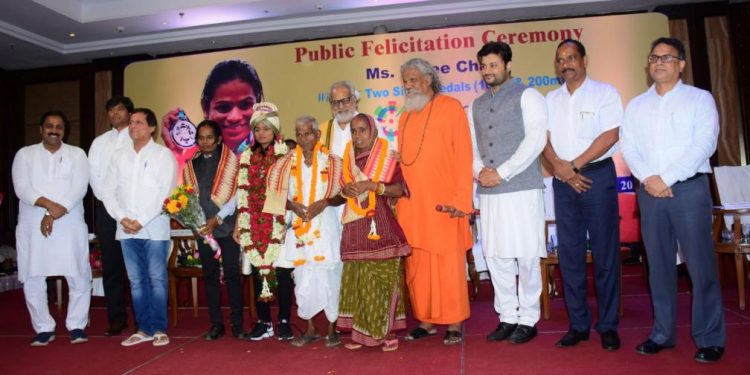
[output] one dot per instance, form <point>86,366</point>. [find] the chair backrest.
<point>733,185</point>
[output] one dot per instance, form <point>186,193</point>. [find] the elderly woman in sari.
<point>372,243</point>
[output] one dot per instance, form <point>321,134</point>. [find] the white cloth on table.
<point>135,187</point>
<point>61,177</point>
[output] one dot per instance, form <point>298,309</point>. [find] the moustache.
<point>54,134</point>
<point>568,70</point>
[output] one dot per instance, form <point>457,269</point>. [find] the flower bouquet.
<point>183,206</point>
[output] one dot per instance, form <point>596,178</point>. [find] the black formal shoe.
<point>649,347</point>
<point>115,329</point>
<point>571,338</point>
<point>237,332</point>
<point>522,334</point>
<point>610,340</point>
<point>502,332</point>
<point>214,333</point>
<point>709,354</point>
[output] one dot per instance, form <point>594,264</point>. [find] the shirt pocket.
<point>589,126</point>
<point>680,128</point>
<point>64,171</point>
<point>152,178</point>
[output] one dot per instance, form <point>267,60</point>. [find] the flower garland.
<point>353,202</point>
<point>261,234</point>
<point>302,228</point>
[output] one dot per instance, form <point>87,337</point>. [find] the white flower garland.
<point>262,262</point>
<point>312,235</point>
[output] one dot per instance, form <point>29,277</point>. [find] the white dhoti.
<point>317,289</point>
<point>513,241</point>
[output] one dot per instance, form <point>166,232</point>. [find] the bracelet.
<point>381,188</point>
<point>573,165</point>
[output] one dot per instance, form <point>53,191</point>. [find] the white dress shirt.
<point>61,177</point>
<point>534,112</point>
<point>671,136</point>
<point>100,154</point>
<point>135,187</point>
<point>576,120</point>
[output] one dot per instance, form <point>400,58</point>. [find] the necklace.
<point>353,202</point>
<point>301,227</point>
<point>421,142</point>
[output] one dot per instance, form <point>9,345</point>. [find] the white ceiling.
<point>38,33</point>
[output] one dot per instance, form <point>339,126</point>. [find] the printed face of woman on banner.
<point>231,90</point>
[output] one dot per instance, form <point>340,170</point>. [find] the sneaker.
<point>261,331</point>
<point>77,336</point>
<point>285,331</point>
<point>43,338</point>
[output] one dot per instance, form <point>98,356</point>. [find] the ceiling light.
<point>72,35</point>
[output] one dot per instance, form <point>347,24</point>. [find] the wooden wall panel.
<point>724,89</point>
<point>678,28</point>
<point>42,97</point>
<point>102,93</point>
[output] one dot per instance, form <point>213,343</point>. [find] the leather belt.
<point>596,164</point>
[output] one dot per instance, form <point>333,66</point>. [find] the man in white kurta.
<point>508,125</point>
<point>51,179</point>
<point>312,244</point>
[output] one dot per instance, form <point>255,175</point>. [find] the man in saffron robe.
<point>436,161</point>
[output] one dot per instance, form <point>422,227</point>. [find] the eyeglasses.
<point>666,59</point>
<point>341,102</point>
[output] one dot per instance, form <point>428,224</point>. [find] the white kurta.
<point>317,283</point>
<point>62,177</point>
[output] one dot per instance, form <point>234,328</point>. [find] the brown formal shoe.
<point>115,329</point>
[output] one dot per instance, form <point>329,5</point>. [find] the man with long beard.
<point>510,122</point>
<point>336,133</point>
<point>435,152</point>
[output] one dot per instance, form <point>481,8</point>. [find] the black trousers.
<point>597,212</point>
<point>284,292</point>
<point>113,265</point>
<point>230,254</point>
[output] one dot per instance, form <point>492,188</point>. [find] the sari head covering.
<point>369,120</point>
<point>267,112</point>
<point>379,167</point>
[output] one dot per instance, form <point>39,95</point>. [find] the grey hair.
<point>348,84</point>
<point>307,119</point>
<point>425,68</point>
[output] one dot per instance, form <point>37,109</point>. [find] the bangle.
<point>381,188</point>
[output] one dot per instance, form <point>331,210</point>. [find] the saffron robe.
<point>436,163</point>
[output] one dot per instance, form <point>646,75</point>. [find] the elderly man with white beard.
<point>434,145</point>
<point>336,133</point>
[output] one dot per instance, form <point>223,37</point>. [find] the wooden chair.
<point>187,245</point>
<point>548,270</point>
<point>733,247</point>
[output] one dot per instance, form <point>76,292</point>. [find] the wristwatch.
<point>573,165</point>
<point>46,213</point>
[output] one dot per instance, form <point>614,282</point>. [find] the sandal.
<point>137,338</point>
<point>453,338</point>
<point>304,339</point>
<point>161,339</point>
<point>390,345</point>
<point>332,341</point>
<point>419,333</point>
<point>353,346</point>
